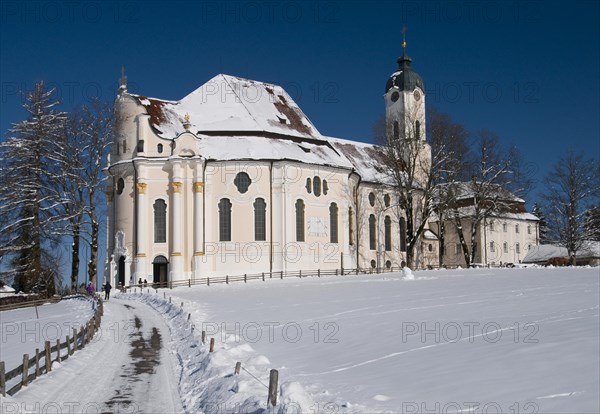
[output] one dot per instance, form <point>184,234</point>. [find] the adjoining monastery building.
<point>235,179</point>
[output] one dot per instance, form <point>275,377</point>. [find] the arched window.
<point>299,220</point>
<point>372,199</point>
<point>516,228</point>
<point>388,264</point>
<point>417,130</point>
<point>505,247</point>
<point>396,131</point>
<point>260,222</point>
<point>350,226</point>
<point>333,223</point>
<point>120,186</point>
<point>308,185</point>
<point>388,233</point>
<point>504,227</point>
<point>159,148</point>
<point>317,186</point>
<point>325,187</point>
<point>224,220</point>
<point>492,247</point>
<point>430,247</point>
<point>402,234</point>
<point>528,229</point>
<point>242,181</point>
<point>373,264</point>
<point>372,236</point>
<point>160,221</point>
<point>518,248</point>
<point>386,200</point>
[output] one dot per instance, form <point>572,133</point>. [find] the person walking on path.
<point>107,288</point>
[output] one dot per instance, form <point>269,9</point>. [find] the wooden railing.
<point>31,368</point>
<point>263,276</point>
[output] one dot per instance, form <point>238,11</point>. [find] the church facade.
<point>235,179</point>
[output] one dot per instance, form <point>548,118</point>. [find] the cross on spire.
<point>123,80</point>
<point>404,38</point>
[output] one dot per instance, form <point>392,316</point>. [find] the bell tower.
<point>405,100</point>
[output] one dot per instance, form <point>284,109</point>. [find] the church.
<point>234,178</point>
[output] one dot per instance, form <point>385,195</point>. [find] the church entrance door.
<point>160,270</point>
<point>121,271</point>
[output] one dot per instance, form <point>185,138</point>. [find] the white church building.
<point>234,178</point>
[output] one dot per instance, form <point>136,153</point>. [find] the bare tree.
<point>572,186</point>
<point>448,140</point>
<point>484,195</point>
<point>31,160</point>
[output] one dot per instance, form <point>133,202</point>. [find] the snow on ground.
<point>525,340</point>
<point>21,331</point>
<point>127,368</point>
<point>469,341</point>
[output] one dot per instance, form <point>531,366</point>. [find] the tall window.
<point>333,223</point>
<point>516,228</point>
<point>350,226</point>
<point>299,220</point>
<point>388,233</point>
<point>160,221</point>
<point>417,130</point>
<point>317,186</point>
<point>528,229</point>
<point>492,247</point>
<point>140,146</point>
<point>518,248</point>
<point>159,148</point>
<point>372,239</point>
<point>224,220</point>
<point>504,227</point>
<point>505,247</point>
<point>260,222</point>
<point>402,234</point>
<point>396,131</point>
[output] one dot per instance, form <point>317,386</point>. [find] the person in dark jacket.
<point>107,288</point>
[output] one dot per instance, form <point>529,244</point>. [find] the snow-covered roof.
<point>369,160</point>
<point>544,252</point>
<point>469,211</point>
<point>467,189</point>
<point>429,235</point>
<point>229,103</point>
<point>226,148</point>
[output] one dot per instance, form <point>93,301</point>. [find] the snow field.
<point>473,340</point>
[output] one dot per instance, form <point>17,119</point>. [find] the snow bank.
<point>207,382</point>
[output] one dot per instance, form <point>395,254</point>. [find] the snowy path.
<point>128,368</point>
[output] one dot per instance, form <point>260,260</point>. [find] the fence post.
<point>319,272</point>
<point>2,379</point>
<point>208,281</point>
<point>48,361</point>
<point>203,337</point>
<point>25,372</point>
<point>300,274</point>
<point>58,350</point>
<point>189,282</point>
<point>74,340</point>
<point>238,365</point>
<point>245,280</point>
<point>273,378</point>
<point>69,346</point>
<point>227,279</point>
<point>281,275</point>
<point>212,345</point>
<point>37,362</point>
<point>263,276</point>
<point>82,333</point>
<point>271,274</point>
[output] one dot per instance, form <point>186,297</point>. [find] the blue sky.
<point>528,71</point>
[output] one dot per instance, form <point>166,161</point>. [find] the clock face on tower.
<point>395,96</point>
<point>417,95</point>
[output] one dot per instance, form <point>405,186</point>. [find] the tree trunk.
<point>75,253</point>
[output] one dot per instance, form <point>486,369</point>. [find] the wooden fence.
<point>263,276</point>
<point>41,362</point>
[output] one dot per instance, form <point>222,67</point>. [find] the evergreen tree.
<point>542,224</point>
<point>31,162</point>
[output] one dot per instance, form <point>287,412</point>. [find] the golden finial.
<point>186,121</point>
<point>404,37</point>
